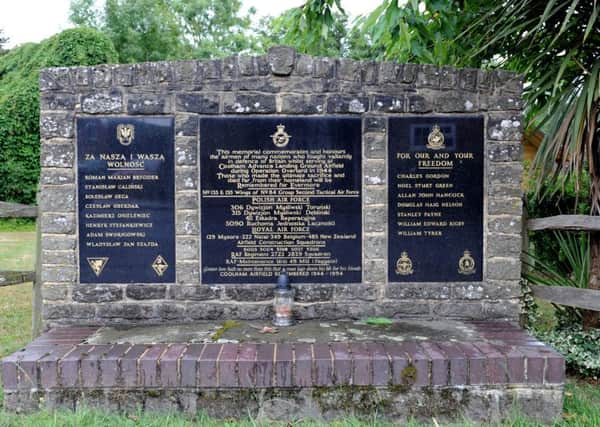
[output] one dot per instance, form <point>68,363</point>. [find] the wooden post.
<point>591,319</point>
<point>36,303</point>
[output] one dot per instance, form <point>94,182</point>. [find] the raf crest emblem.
<point>466,264</point>
<point>125,134</point>
<point>435,140</point>
<point>281,138</point>
<point>404,265</point>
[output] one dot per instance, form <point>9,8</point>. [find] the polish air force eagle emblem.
<point>125,134</point>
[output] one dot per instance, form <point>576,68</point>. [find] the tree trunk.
<point>591,319</point>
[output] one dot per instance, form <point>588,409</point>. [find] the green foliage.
<point>17,224</point>
<point>421,32</point>
<point>379,321</point>
<point>557,46</point>
<point>153,30</point>
<point>580,348</point>
<point>3,41</point>
<point>19,102</point>
<point>317,28</point>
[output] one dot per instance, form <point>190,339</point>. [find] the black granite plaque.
<point>281,193</point>
<point>435,199</point>
<point>126,200</point>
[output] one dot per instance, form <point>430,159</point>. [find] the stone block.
<point>347,69</point>
<point>186,125</point>
<point>504,245</point>
<point>54,79</point>
<point>304,65</point>
<point>149,103</point>
<point>389,72</point>
<point>58,101</point>
<point>169,311</point>
<point>195,293</point>
<point>102,102</point>
<point>389,103</point>
<point>409,73</point>
<point>187,200</point>
<point>57,199</point>
<point>188,272</point>
<point>467,79</point>
<point>374,246</point>
<point>323,67</point>
<point>56,125</point>
<point>201,103</point>
<point>375,124</point>
<point>302,104</point>
<point>374,271</point>
<point>374,172</point>
<point>506,224</point>
<point>249,293</point>
<point>89,293</point>
<point>370,72</point>
<point>248,103</point>
<point>186,151</point>
<point>58,243</point>
<point>428,76</point>
<point>187,223</point>
<point>419,104</point>
<point>146,291</point>
<point>57,176</point>
<point>186,178</point>
<point>187,248</point>
<point>374,145</point>
<point>374,195</point>
<point>57,155</point>
<point>505,152</point>
<point>375,219</point>
<point>281,60</point>
<point>457,102</point>
<point>58,223</point>
<point>129,311</point>
<point>313,293</point>
<point>337,104</point>
<point>504,127</point>
<point>419,291</point>
<point>505,173</point>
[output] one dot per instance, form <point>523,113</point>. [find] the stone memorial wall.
<point>174,192</point>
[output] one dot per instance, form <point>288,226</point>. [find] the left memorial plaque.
<point>126,195</point>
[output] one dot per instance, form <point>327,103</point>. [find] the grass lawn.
<point>582,401</point>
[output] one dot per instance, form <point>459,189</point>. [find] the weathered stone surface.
<point>374,246</point>
<point>56,256</point>
<point>375,124</point>
<point>302,104</point>
<point>459,310</point>
<point>246,65</point>
<point>374,271</point>
<point>56,292</point>
<point>186,223</point>
<point>195,293</point>
<point>58,223</point>
<point>374,145</point>
<point>202,103</point>
<point>467,79</point>
<point>56,125</point>
<point>249,292</point>
<point>146,291</point>
<point>188,272</point>
<point>505,205</point>
<point>374,195</point>
<point>508,82</point>
<point>457,102</point>
<point>54,79</point>
<point>428,76</point>
<point>102,102</point>
<point>389,104</point>
<point>186,178</point>
<point>504,245</point>
<point>505,224</point>
<point>504,127</point>
<point>57,155</point>
<point>504,268</point>
<point>374,172</point>
<point>187,200</point>
<point>375,219</point>
<point>419,104</point>
<point>398,309</point>
<point>348,69</point>
<point>58,243</point>
<point>186,151</point>
<point>57,176</point>
<point>89,293</point>
<point>68,311</point>
<point>505,173</point>
<point>186,125</point>
<point>187,248</point>
<point>347,104</point>
<point>170,311</point>
<point>281,60</point>
<point>406,291</point>
<point>131,311</point>
<point>249,103</point>
<point>59,274</point>
<point>313,293</point>
<point>149,103</point>
<point>58,101</point>
<point>505,152</point>
<point>57,199</point>
<point>448,78</point>
<point>500,102</point>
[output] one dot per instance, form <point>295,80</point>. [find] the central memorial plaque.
<point>281,193</point>
<point>435,199</point>
<point>126,194</point>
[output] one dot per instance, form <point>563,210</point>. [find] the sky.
<point>34,20</point>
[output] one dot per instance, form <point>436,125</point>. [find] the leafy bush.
<point>555,199</point>
<point>19,102</point>
<point>580,348</point>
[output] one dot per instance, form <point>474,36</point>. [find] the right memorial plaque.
<point>435,199</point>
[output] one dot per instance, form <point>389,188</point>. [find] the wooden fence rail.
<point>587,299</point>
<point>17,210</point>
